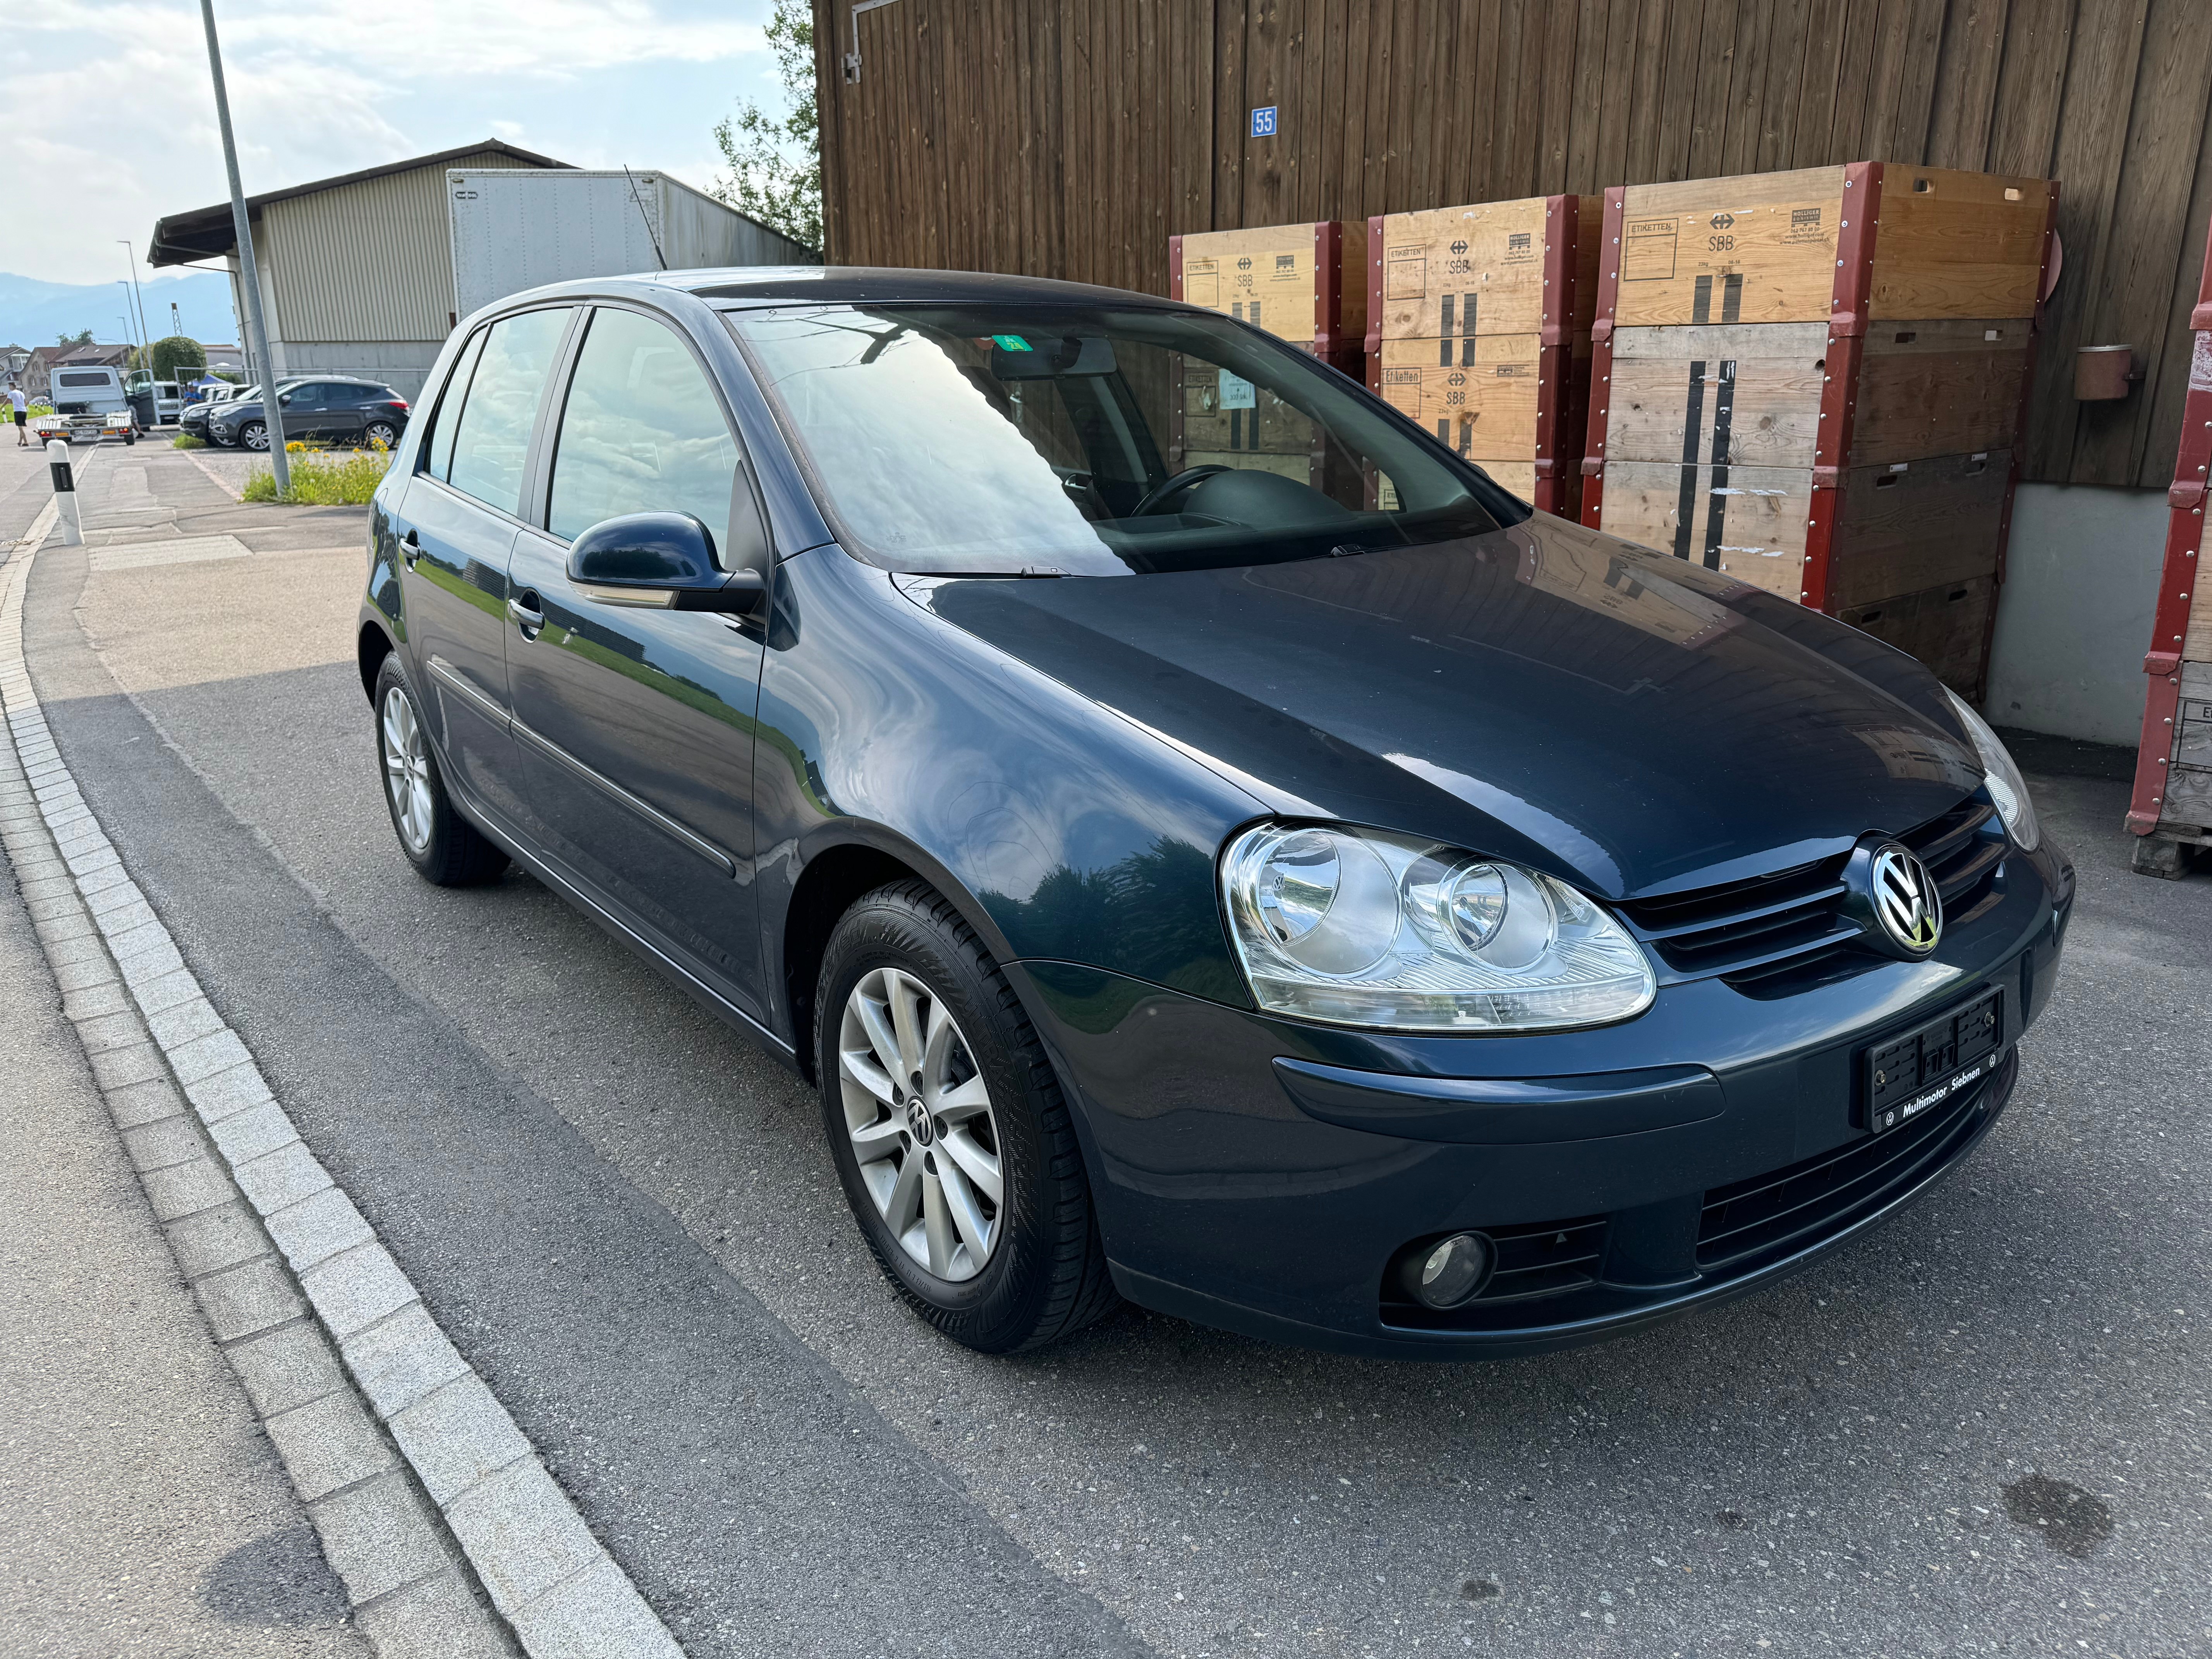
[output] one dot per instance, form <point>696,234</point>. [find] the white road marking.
<point>131,556</point>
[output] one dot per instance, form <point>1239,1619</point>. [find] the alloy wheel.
<point>254,436</point>
<point>406,771</point>
<point>919,1113</point>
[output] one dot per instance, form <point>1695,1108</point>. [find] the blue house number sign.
<point>1263,122</point>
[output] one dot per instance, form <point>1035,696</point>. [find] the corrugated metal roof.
<point>207,232</point>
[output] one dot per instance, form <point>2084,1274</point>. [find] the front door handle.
<point>522,611</point>
<point>410,549</point>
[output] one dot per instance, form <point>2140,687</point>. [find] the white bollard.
<point>58,463</point>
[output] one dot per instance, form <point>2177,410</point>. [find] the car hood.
<point>1632,723</point>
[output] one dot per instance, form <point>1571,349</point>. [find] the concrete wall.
<point>2074,615</point>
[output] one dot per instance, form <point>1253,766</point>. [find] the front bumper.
<point>1242,1179</point>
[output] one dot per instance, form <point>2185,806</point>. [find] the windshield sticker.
<point>1010,343</point>
<point>1236,393</point>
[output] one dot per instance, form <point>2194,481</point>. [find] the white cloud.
<point>111,121</point>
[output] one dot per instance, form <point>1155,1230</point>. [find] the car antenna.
<point>642,214</point>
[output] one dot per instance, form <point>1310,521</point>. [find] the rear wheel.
<point>444,847</point>
<point>951,1137</point>
<point>382,435</point>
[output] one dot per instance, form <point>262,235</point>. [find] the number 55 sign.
<point>1263,122</point>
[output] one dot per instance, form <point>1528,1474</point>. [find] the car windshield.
<point>1093,440</point>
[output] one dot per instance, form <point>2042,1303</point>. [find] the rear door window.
<point>447,420</point>
<point>493,441</point>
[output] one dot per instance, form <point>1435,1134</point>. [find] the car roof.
<point>853,284</point>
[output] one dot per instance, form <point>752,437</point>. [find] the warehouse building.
<point>1074,141</point>
<point>354,272</point>
<point>357,272</point>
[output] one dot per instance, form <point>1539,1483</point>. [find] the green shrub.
<point>347,483</point>
<point>185,441</point>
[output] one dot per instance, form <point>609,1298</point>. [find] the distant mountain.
<point>32,313</point>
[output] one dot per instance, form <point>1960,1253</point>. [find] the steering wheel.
<point>1182,481</point>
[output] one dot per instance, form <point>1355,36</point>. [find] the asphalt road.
<point>1984,1429</point>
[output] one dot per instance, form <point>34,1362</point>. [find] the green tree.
<point>173,352</point>
<point>776,162</point>
<point>82,336</point>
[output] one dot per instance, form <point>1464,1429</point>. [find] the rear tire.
<point>446,849</point>
<point>1043,1272</point>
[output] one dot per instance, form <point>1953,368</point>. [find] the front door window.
<point>642,433</point>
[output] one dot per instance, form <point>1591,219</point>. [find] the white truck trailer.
<point>88,403</point>
<point>517,228</point>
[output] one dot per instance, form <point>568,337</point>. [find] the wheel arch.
<point>835,875</point>
<point>371,647</point>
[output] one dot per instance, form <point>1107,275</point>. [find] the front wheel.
<point>253,436</point>
<point>952,1139</point>
<point>445,847</point>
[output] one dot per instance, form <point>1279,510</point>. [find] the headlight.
<point>2007,789</point>
<point>1357,927</point>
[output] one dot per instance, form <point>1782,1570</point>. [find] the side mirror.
<point>284,399</point>
<point>661,561</point>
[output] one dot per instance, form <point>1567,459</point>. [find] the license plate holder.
<point>1907,1076</point>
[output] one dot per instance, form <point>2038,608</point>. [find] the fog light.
<point>1453,1272</point>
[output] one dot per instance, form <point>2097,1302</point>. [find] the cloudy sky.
<point>107,119</point>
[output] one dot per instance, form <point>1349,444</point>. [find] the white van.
<point>88,403</point>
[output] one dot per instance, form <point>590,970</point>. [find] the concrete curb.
<point>417,1480</point>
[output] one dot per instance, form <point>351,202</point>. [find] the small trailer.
<point>89,404</point>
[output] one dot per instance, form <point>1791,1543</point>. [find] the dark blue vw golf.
<point>1206,843</point>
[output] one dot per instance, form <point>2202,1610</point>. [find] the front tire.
<point>446,849</point>
<point>953,1142</point>
<point>253,436</point>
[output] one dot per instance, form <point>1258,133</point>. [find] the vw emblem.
<point>1895,898</point>
<point>918,1124</point>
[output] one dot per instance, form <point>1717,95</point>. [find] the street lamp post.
<point>145,334</point>
<point>272,412</point>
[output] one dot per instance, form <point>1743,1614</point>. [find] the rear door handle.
<point>524,613</point>
<point>410,549</point>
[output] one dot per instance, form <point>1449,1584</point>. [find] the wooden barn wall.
<point>1072,138</point>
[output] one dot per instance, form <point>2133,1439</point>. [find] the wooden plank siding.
<point>1072,138</point>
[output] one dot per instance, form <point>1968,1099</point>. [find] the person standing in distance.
<point>21,406</point>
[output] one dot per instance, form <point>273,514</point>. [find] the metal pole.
<point>272,414</point>
<point>140,293</point>
<point>134,336</point>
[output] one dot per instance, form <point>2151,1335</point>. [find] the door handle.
<point>522,611</point>
<point>410,549</point>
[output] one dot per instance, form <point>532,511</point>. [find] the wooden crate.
<point>1917,243</point>
<point>1944,388</point>
<point>1870,328</point>
<point>1304,283</point>
<point>1945,626</point>
<point>1478,330</point>
<point>1523,267</point>
<point>1217,423</point>
<point>1482,403</point>
<point>2171,808</point>
<point>1898,527</point>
